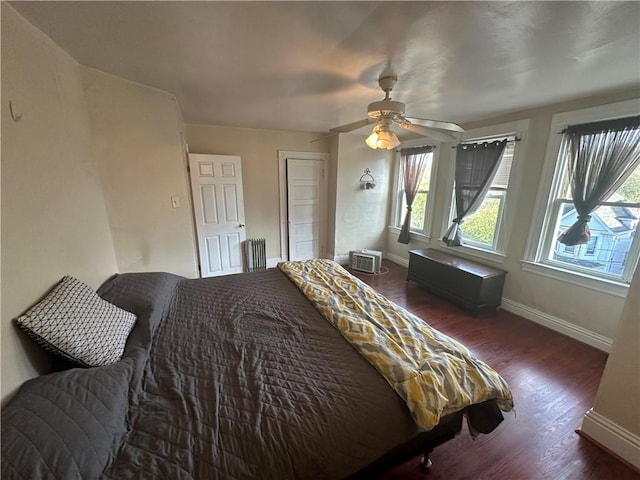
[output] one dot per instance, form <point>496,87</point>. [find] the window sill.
<point>476,252</point>
<point>415,236</point>
<point>611,287</point>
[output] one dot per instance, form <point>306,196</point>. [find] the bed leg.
<point>425,463</point>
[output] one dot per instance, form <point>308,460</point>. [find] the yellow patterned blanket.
<point>434,374</point>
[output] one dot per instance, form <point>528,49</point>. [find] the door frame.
<point>283,155</point>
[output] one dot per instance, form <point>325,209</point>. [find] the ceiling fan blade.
<point>350,127</point>
<point>427,132</point>
<point>323,137</point>
<point>440,125</point>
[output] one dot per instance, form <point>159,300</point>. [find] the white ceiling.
<point>311,66</point>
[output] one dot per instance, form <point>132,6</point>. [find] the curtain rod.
<point>417,146</point>
<point>603,125</point>
<point>517,139</point>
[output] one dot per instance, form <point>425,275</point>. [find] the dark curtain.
<point>602,155</point>
<point>414,162</point>
<point>476,165</point>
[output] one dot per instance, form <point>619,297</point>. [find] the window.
<point>419,207</point>
<point>613,226</point>
<point>486,231</point>
<point>420,210</point>
<point>612,250</point>
<point>481,228</point>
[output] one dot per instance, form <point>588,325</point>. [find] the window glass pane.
<point>565,184</point>
<point>481,226</point>
<point>417,211</point>
<point>501,180</point>
<point>612,231</point>
<point>425,179</point>
<point>629,191</point>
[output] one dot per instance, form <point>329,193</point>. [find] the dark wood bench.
<point>467,283</point>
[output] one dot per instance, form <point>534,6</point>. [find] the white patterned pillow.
<point>74,322</point>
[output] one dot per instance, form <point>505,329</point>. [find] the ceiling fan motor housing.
<point>385,108</point>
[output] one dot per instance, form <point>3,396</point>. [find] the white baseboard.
<point>341,259</point>
<point>612,436</point>
<point>397,259</point>
<point>554,323</point>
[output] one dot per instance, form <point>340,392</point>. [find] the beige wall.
<point>590,309</point>
<point>360,215</point>
<point>137,142</point>
<point>621,376</point>
<point>54,221</point>
<point>258,150</point>
<point>614,420</point>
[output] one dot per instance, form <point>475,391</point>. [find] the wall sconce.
<point>367,182</point>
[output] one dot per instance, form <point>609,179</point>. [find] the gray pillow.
<point>74,322</point>
<point>67,425</point>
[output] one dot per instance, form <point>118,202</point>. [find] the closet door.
<point>304,186</point>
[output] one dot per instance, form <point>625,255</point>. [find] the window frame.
<point>498,251</point>
<point>545,216</point>
<point>397,212</point>
<point>592,246</point>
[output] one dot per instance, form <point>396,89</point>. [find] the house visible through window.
<point>613,247</point>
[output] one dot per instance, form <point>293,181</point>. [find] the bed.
<point>231,377</point>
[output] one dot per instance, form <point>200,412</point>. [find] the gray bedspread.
<point>248,381</point>
<point>235,377</point>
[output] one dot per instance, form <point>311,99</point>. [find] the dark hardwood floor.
<point>554,380</point>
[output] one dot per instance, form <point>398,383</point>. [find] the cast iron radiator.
<point>255,250</point>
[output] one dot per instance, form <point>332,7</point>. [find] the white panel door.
<point>304,181</point>
<point>218,205</point>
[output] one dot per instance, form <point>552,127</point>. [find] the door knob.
<point>241,225</point>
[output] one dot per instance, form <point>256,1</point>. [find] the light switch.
<point>175,202</point>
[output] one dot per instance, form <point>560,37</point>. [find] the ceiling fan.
<point>386,112</point>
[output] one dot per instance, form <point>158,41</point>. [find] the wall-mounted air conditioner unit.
<point>368,261</point>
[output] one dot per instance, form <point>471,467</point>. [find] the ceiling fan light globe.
<point>394,141</point>
<point>372,140</point>
<point>383,139</point>
<point>387,140</point>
